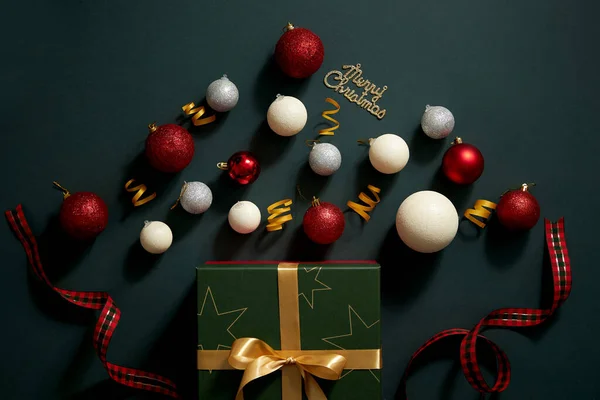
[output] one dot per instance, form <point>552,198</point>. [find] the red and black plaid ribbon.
<point>107,322</point>
<point>508,317</point>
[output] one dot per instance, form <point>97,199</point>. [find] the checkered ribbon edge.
<point>107,321</point>
<point>507,317</point>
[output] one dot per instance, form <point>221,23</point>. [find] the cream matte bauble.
<point>244,217</point>
<point>388,153</point>
<point>427,221</point>
<point>156,237</point>
<point>287,115</point>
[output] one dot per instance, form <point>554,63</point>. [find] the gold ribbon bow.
<point>258,359</point>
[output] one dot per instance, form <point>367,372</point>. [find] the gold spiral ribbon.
<point>140,189</point>
<point>197,112</point>
<point>276,219</point>
<point>326,114</point>
<point>363,210</point>
<point>482,209</point>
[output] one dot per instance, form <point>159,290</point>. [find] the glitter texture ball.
<point>169,148</point>
<point>196,197</point>
<point>324,159</point>
<point>388,153</point>
<point>437,122</point>
<point>222,95</point>
<point>324,223</point>
<point>299,52</point>
<point>427,221</point>
<point>518,210</point>
<point>244,217</point>
<point>156,237</point>
<point>287,115</point>
<point>83,215</point>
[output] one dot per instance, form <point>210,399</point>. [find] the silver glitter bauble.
<point>324,159</point>
<point>437,122</point>
<point>196,197</point>
<point>222,95</point>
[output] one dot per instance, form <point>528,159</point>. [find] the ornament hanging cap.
<point>288,27</point>
<point>152,127</point>
<point>222,166</point>
<point>66,193</point>
<point>315,202</point>
<point>524,188</point>
<point>457,141</point>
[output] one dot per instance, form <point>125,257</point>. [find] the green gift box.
<point>289,331</point>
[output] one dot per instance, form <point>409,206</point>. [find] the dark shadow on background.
<point>367,175</point>
<point>269,147</point>
<point>79,364</point>
<point>303,249</point>
<point>503,247</point>
<point>107,389</point>
<point>458,194</point>
<point>271,81</point>
<point>423,149</point>
<point>226,192</point>
<point>310,184</point>
<point>138,262</point>
<point>228,242</point>
<point>182,222</point>
<point>468,230</point>
<point>265,239</point>
<point>404,272</point>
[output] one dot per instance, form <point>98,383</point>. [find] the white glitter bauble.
<point>427,221</point>
<point>324,159</point>
<point>196,197</point>
<point>287,115</point>
<point>222,95</point>
<point>388,153</point>
<point>156,237</point>
<point>244,217</point>
<point>437,122</point>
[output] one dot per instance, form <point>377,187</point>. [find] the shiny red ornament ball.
<point>169,148</point>
<point>243,167</point>
<point>299,52</point>
<point>83,215</point>
<point>462,163</point>
<point>323,223</point>
<point>518,210</point>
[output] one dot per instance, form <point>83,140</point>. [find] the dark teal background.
<point>81,79</point>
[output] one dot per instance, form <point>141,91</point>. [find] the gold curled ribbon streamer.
<point>197,112</point>
<point>276,219</point>
<point>481,209</point>
<point>326,114</point>
<point>140,189</point>
<point>370,203</point>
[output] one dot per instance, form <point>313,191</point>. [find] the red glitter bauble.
<point>299,52</point>
<point>169,148</point>
<point>462,163</point>
<point>323,222</point>
<point>83,215</point>
<point>518,209</point>
<point>243,167</point>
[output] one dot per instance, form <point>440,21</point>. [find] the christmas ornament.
<point>299,52</point>
<point>222,95</point>
<point>427,221</point>
<point>361,210</point>
<point>286,115</point>
<point>156,237</point>
<point>83,215</point>
<point>195,197</point>
<point>437,122</point>
<point>462,163</point>
<point>169,147</point>
<point>482,210</point>
<point>244,217</point>
<point>324,158</point>
<point>388,153</point>
<point>518,209</point>
<point>107,322</point>
<point>327,115</point>
<point>276,218</point>
<point>506,318</point>
<point>243,167</point>
<point>140,190</point>
<point>323,222</point>
<point>197,113</point>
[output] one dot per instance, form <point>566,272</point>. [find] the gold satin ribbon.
<point>370,203</point>
<point>481,209</point>
<point>326,114</point>
<point>276,219</point>
<point>141,189</point>
<point>197,112</point>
